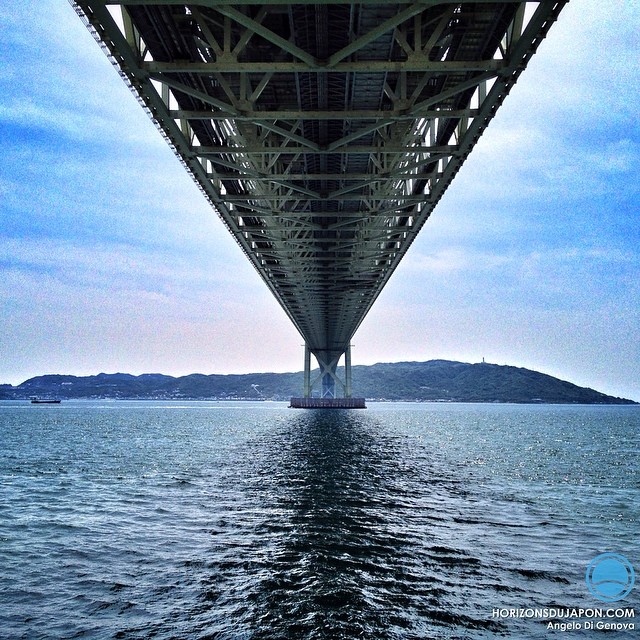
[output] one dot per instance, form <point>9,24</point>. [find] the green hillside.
<point>433,381</point>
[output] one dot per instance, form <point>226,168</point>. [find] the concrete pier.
<point>327,403</point>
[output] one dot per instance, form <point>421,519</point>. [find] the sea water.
<point>255,521</point>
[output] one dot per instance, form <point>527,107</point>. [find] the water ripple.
<point>141,520</point>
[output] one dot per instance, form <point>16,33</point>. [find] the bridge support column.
<point>307,371</point>
<point>329,380</point>
<point>347,372</point>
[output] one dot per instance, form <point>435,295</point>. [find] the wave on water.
<point>270,524</point>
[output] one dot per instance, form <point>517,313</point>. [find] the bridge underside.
<point>323,133</point>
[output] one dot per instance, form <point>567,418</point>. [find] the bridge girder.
<point>323,133</point>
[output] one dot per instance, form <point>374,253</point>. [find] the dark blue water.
<point>254,521</point>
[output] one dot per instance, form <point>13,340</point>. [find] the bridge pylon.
<point>329,382</point>
<point>328,373</point>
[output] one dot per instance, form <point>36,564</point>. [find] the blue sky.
<point>111,260</point>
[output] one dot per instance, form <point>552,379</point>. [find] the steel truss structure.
<point>322,132</point>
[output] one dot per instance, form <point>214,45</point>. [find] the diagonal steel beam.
<point>375,33</point>
<point>194,93</point>
<point>262,31</point>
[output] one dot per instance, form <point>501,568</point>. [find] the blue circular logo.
<point>610,577</point>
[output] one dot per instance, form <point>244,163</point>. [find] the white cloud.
<point>620,156</point>
<point>55,53</point>
<point>455,259</point>
<point>53,326</point>
<point>583,74</point>
<point>117,267</point>
<point>27,113</point>
<point>517,162</point>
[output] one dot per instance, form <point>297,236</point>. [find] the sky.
<point>111,259</point>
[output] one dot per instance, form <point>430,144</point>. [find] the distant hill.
<point>433,381</point>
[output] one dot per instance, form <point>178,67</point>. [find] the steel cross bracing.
<point>323,133</point>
